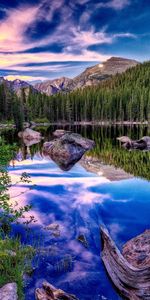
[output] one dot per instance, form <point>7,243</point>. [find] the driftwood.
<point>133,283</point>
<point>49,292</point>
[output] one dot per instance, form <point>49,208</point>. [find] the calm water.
<point>79,202</point>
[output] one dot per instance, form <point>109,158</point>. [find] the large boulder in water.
<point>49,292</point>
<point>68,149</point>
<point>29,134</point>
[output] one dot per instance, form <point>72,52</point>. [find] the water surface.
<point>79,202</point>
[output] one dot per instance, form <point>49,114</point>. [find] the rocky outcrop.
<point>91,76</point>
<point>142,144</point>
<point>51,87</point>
<point>130,272</point>
<point>67,150</point>
<point>49,292</point>
<point>9,292</point>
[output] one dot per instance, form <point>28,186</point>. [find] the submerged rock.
<point>9,292</point>
<point>82,239</point>
<point>142,144</point>
<point>49,292</point>
<point>67,150</point>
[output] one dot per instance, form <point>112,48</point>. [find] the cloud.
<point>24,78</point>
<point>13,26</point>
<point>115,4</point>
<point>52,32</point>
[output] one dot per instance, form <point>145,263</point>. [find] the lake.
<point>76,203</point>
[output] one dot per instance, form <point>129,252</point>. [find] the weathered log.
<point>133,283</point>
<point>49,292</point>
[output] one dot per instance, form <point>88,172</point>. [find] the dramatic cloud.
<point>54,31</point>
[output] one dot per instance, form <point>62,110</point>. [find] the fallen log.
<point>132,283</point>
<point>49,292</point>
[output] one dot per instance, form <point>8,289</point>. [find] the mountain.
<point>17,85</point>
<point>52,87</point>
<point>91,76</point>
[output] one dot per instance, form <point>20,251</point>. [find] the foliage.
<point>15,260</point>
<point>123,97</point>
<point>9,213</point>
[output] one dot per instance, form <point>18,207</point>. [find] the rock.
<point>49,292</point>
<point>124,139</point>
<point>141,144</point>
<point>67,150</point>
<point>82,239</point>
<point>52,226</point>
<point>145,140</point>
<point>9,292</point>
<point>11,253</point>
<point>28,134</point>
<point>60,132</point>
<point>137,250</point>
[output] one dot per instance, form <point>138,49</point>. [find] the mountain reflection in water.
<point>107,149</point>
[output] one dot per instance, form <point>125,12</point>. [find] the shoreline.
<point>83,123</point>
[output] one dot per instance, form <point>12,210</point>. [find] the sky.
<point>47,39</point>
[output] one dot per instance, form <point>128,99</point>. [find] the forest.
<point>123,97</point>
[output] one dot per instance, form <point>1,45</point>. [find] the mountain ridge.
<point>90,76</point>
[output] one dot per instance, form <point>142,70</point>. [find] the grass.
<point>15,261</point>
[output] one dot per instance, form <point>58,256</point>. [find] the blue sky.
<point>44,39</point>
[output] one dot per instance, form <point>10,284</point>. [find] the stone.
<point>82,239</point>
<point>141,144</point>
<point>30,134</point>
<point>67,150</point>
<point>52,226</point>
<point>9,292</point>
<point>60,132</point>
<point>49,292</point>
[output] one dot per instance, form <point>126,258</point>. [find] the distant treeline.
<point>123,97</point>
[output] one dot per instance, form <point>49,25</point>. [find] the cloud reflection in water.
<point>79,202</point>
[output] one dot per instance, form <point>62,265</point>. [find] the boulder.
<point>67,150</point>
<point>29,134</point>
<point>9,292</point>
<point>49,292</point>
<point>60,132</point>
<point>141,144</point>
